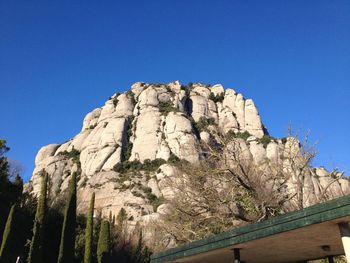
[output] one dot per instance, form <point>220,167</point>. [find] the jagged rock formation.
<point>156,122</point>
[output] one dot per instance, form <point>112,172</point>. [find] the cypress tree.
<point>36,246</point>
<point>5,255</point>
<point>110,217</point>
<point>89,231</point>
<point>111,226</point>
<point>103,245</point>
<point>67,245</point>
<point>121,219</point>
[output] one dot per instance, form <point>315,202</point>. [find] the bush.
<point>217,98</point>
<point>203,123</point>
<point>136,165</point>
<point>131,96</point>
<point>127,152</point>
<point>166,107</point>
<point>73,154</point>
<point>91,127</point>
<point>265,140</point>
<point>127,148</point>
<point>127,166</point>
<point>152,166</point>
<point>115,99</point>
<point>230,135</point>
<point>104,243</point>
<point>173,159</point>
<point>152,198</point>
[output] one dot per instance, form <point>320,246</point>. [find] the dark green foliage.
<point>217,98</point>
<point>22,227</point>
<point>104,246</point>
<point>131,96</point>
<point>66,251</point>
<point>37,243</point>
<point>265,140</point>
<point>121,217</point>
<point>115,99</point>
<point>89,231</point>
<point>153,199</point>
<point>187,87</point>
<point>166,107</point>
<point>243,135</point>
<point>230,135</point>
<point>73,154</point>
<point>136,165</point>
<point>157,85</point>
<point>127,166</point>
<point>91,127</point>
<point>6,246</point>
<point>110,217</point>
<point>96,233</point>
<point>128,150</point>
<point>11,186</point>
<point>141,253</point>
<point>47,242</point>
<point>173,159</point>
<point>127,145</point>
<point>187,90</point>
<point>46,245</point>
<point>203,123</point>
<point>153,165</point>
<point>53,227</point>
<point>80,239</point>
<point>111,221</point>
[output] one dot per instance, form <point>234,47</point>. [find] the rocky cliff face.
<point>144,130</point>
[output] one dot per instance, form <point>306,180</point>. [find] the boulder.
<point>46,151</point>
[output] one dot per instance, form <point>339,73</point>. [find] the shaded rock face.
<point>155,122</point>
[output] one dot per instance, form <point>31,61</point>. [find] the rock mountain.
<point>146,129</point>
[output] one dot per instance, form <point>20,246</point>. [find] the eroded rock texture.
<point>163,122</point>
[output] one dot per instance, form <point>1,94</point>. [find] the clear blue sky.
<point>61,59</point>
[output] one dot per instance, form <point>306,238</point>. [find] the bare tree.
<point>15,168</point>
<point>229,188</point>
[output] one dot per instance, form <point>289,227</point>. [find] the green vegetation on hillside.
<point>217,98</point>
<point>166,107</point>
<point>53,225</point>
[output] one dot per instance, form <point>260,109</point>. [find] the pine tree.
<point>36,246</point>
<point>89,231</point>
<point>66,251</point>
<point>5,255</point>
<point>103,246</point>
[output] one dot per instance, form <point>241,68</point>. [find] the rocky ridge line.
<point>148,127</point>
